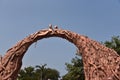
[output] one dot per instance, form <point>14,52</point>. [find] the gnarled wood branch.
<point>100,62</point>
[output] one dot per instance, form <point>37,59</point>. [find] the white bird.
<point>50,27</point>
<point>55,27</point>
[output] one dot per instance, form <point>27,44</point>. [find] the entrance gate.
<point>100,62</point>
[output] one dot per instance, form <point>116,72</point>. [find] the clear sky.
<point>98,19</point>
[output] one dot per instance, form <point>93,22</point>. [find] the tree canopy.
<point>75,70</point>
<point>114,43</point>
<point>38,73</point>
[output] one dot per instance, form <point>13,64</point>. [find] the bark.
<point>100,62</point>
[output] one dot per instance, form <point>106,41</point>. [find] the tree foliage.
<point>38,73</point>
<point>27,73</point>
<point>114,43</point>
<point>53,74</point>
<point>75,70</point>
<point>47,73</point>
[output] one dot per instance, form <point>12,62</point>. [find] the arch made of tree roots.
<point>100,62</point>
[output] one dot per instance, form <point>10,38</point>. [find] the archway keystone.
<point>100,62</point>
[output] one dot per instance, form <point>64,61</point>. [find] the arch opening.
<point>54,52</point>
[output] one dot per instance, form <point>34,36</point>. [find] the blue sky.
<point>98,19</point>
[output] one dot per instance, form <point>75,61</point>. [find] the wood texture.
<point>100,62</point>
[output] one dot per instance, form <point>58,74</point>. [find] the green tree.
<point>41,71</point>
<point>27,73</point>
<point>38,73</point>
<point>75,70</point>
<point>114,43</point>
<point>46,73</point>
<point>52,74</point>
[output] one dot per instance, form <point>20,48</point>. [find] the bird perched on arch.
<point>50,27</point>
<point>55,27</point>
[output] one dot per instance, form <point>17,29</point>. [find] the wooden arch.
<point>100,62</point>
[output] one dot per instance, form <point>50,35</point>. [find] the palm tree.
<point>41,70</point>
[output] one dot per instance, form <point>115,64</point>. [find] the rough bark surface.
<point>100,62</point>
